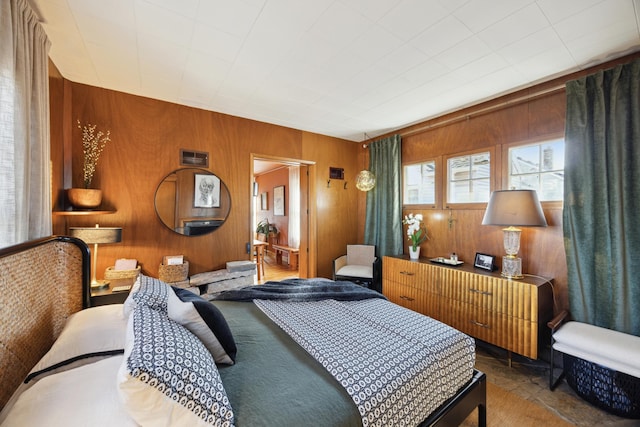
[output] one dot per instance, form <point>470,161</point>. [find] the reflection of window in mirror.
<point>419,182</point>
<point>540,167</point>
<point>469,178</point>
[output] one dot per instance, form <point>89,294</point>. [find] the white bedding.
<point>80,397</point>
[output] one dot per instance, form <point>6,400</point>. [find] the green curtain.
<point>602,198</point>
<point>383,221</point>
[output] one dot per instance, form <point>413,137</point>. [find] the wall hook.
<point>328,183</point>
<point>345,185</point>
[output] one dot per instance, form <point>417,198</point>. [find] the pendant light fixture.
<point>365,180</point>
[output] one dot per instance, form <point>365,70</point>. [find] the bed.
<point>266,362</point>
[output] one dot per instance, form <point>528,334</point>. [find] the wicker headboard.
<point>42,282</point>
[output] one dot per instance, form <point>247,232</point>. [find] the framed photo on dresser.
<point>484,261</point>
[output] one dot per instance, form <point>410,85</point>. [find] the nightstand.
<point>106,296</point>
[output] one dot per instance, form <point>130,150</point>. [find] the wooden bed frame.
<point>44,281</point>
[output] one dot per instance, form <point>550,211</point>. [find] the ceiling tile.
<point>478,15</point>
<point>516,26</point>
<point>411,17</point>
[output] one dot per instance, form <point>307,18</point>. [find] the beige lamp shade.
<point>514,207</point>
<point>100,235</point>
<point>94,236</point>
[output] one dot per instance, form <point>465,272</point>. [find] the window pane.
<point>552,186</point>
<point>525,159</point>
<point>459,192</point>
<point>553,155</point>
<point>481,165</point>
<point>538,167</point>
<point>469,178</point>
<point>420,183</point>
<point>480,190</point>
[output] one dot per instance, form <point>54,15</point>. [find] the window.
<point>469,178</point>
<point>538,167</point>
<point>420,183</point>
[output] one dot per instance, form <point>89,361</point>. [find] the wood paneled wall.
<point>529,115</point>
<point>146,137</point>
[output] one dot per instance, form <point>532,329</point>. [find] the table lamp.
<point>96,235</point>
<point>513,208</point>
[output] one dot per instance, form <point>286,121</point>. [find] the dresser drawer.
<point>514,334</point>
<point>418,275</point>
<point>512,298</point>
<point>484,324</point>
<point>415,299</point>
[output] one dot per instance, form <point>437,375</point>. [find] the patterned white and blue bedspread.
<point>397,365</point>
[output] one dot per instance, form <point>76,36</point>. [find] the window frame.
<point>437,184</point>
<point>530,141</point>
<point>493,177</point>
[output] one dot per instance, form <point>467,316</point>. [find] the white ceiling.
<point>336,67</point>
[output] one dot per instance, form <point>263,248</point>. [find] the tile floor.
<point>530,380</point>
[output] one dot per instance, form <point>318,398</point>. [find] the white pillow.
<point>76,398</point>
<point>88,335</point>
<point>168,377</point>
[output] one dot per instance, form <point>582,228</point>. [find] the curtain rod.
<point>485,110</point>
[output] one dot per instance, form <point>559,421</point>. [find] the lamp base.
<point>512,267</point>
<point>99,284</point>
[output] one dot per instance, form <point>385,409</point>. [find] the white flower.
<point>415,232</point>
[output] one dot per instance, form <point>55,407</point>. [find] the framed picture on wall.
<point>264,202</point>
<point>278,200</point>
<point>206,191</point>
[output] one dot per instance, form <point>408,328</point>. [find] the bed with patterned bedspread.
<point>326,354</point>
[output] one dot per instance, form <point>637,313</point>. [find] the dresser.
<point>511,314</point>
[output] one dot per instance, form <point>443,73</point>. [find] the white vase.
<point>414,254</point>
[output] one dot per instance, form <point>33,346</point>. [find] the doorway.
<point>295,223</point>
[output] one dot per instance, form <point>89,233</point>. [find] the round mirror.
<point>192,201</point>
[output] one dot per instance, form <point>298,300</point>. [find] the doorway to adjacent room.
<point>282,218</point>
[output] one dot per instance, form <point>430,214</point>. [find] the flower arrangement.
<point>416,232</point>
<point>92,145</point>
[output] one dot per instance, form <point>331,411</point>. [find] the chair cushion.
<point>363,271</point>
<point>612,349</point>
<point>361,254</point>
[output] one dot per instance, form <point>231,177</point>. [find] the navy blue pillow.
<point>205,321</point>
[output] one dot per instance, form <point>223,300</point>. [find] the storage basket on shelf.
<point>111,273</point>
<point>174,273</point>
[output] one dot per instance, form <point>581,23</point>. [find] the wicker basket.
<point>174,273</point>
<point>111,274</point>
<point>613,391</point>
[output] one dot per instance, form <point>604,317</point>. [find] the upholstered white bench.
<point>601,365</point>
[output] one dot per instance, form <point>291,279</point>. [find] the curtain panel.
<point>383,221</point>
<point>25,190</point>
<point>294,207</point>
<point>602,198</point>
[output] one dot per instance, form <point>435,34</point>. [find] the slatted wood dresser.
<point>511,314</point>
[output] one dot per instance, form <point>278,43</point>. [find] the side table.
<point>106,295</point>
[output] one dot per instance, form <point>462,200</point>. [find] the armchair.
<point>360,265</point>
